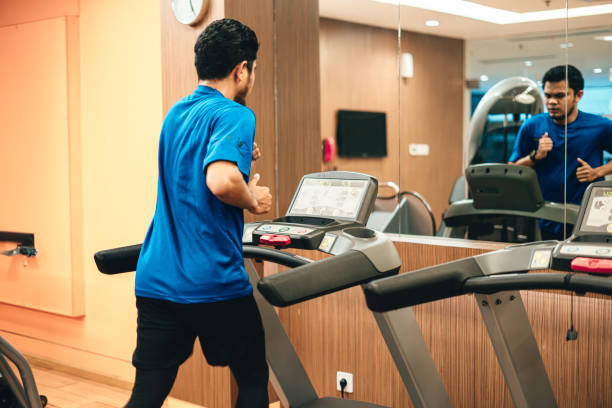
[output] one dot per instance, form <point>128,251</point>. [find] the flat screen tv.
<point>361,134</point>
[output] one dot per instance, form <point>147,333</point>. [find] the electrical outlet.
<point>349,381</point>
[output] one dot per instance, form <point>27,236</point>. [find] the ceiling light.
<point>528,63</point>
<point>432,23</point>
<point>484,78</point>
<point>604,38</point>
<point>568,45</point>
<point>470,9</point>
<point>597,70</point>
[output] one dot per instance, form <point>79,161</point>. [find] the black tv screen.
<point>361,134</point>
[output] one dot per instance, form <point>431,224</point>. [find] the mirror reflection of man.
<point>541,143</point>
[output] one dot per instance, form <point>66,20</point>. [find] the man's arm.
<point>545,145</point>
<point>225,181</point>
<point>586,173</point>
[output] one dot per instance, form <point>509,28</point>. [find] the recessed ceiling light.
<point>604,38</point>
<point>432,23</point>
<point>528,63</point>
<point>484,78</point>
<point>473,10</point>
<point>568,45</point>
<point>597,70</point>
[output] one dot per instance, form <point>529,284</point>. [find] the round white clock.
<point>189,11</point>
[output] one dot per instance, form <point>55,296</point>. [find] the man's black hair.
<point>574,77</point>
<point>222,45</point>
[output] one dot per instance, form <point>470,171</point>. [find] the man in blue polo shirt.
<point>190,278</point>
<point>541,143</point>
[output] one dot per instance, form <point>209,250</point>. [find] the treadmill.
<point>328,213</point>
<point>495,279</point>
<point>506,205</point>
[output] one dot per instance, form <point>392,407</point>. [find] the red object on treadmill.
<point>276,240</point>
<point>592,265</point>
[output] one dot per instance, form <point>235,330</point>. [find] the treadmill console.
<point>324,202</point>
<point>589,249</point>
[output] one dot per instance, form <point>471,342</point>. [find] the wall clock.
<point>189,12</point>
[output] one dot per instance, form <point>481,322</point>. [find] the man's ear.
<point>241,71</point>
<point>579,95</point>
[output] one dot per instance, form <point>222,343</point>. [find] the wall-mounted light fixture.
<point>407,65</point>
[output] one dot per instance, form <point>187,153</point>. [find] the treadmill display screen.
<point>333,198</point>
<point>598,215</point>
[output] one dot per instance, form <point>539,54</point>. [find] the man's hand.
<point>261,194</point>
<point>545,145</point>
<point>256,152</point>
<point>585,172</point>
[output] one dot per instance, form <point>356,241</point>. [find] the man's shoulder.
<point>538,118</point>
<point>595,119</point>
<point>533,122</point>
<point>236,111</point>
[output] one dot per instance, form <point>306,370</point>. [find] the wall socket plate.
<point>418,149</point>
<point>349,381</point>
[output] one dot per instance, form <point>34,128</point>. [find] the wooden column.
<point>286,102</point>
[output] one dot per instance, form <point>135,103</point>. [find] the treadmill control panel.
<point>323,203</point>
<point>592,251</point>
<point>592,236</point>
<point>285,229</point>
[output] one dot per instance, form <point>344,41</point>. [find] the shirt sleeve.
<point>523,144</point>
<point>232,139</point>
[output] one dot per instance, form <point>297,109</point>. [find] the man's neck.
<point>571,118</point>
<point>224,86</point>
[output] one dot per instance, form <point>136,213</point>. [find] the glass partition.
<point>589,133</point>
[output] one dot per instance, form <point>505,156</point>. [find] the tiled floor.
<point>67,391</point>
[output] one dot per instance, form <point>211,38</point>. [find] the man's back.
<point>193,251</point>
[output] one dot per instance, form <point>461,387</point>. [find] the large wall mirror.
<point>428,65</point>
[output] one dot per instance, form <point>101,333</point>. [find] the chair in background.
<point>419,217</point>
<point>405,212</point>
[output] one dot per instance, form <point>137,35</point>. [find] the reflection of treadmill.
<point>327,213</point>
<point>505,206</point>
<point>588,250</point>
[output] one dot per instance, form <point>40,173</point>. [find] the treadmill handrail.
<point>574,282</point>
<point>460,212</point>
<point>467,275</point>
<point>124,259</point>
<point>274,255</point>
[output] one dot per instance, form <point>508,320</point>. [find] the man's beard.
<point>561,116</point>
<point>241,96</point>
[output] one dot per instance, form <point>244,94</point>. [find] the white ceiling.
<point>497,50</point>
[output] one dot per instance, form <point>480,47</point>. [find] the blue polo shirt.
<point>587,137</point>
<point>193,249</point>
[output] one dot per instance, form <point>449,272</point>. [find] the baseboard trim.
<point>47,364</point>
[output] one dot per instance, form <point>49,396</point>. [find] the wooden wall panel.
<point>338,333</point>
<point>179,77</point>
<point>297,95</point>
<point>432,113</point>
<point>359,72</point>
<point>197,381</point>
<point>286,104</point>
